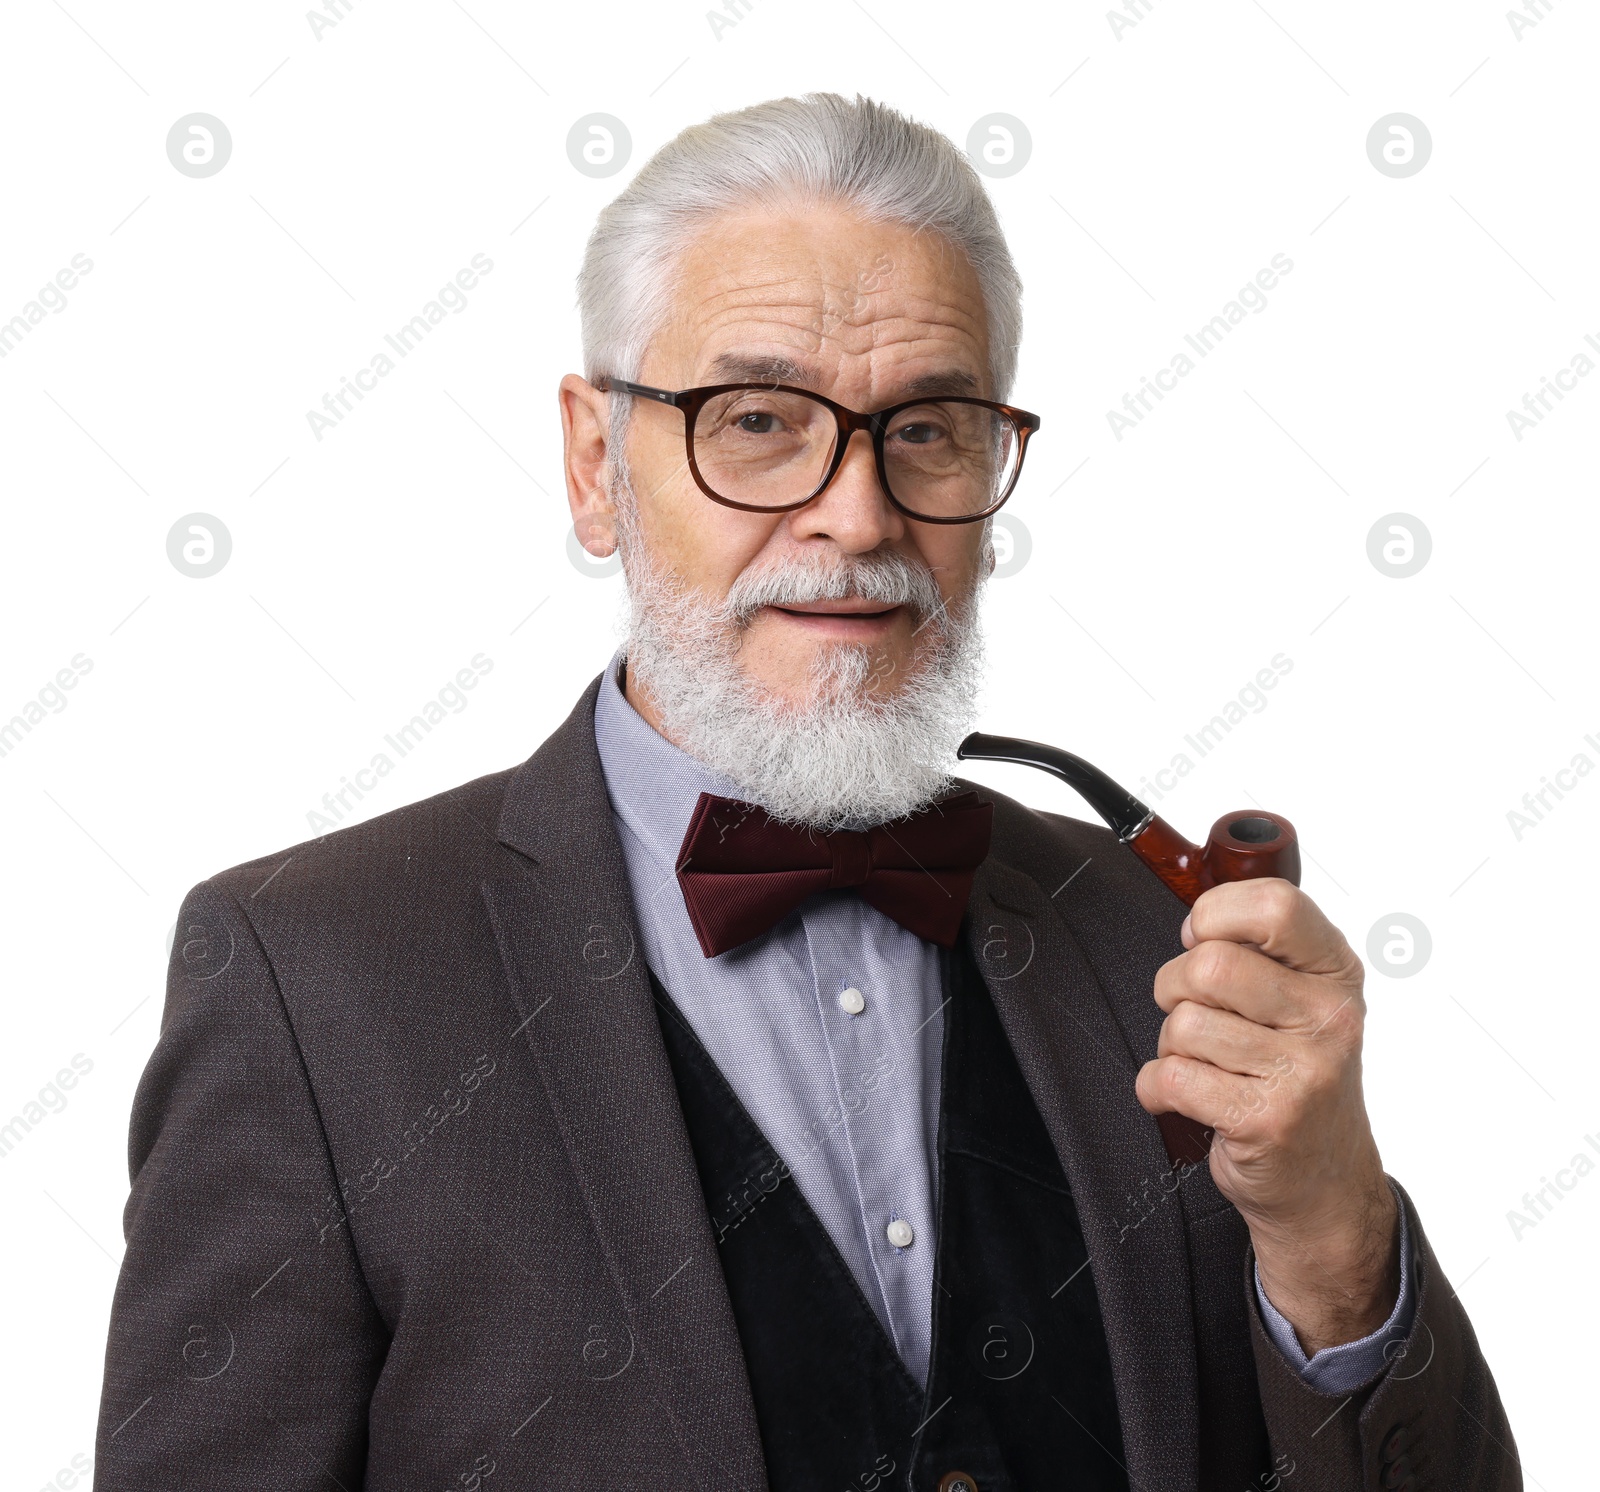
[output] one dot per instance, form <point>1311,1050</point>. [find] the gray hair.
<point>821,147</point>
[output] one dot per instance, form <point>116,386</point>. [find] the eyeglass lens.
<point>769,448</point>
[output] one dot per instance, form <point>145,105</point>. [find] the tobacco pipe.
<point>1242,846</point>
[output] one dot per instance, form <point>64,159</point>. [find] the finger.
<point>1189,940</point>
<point>1230,977</point>
<point>1216,1099</point>
<point>1278,918</point>
<point>1223,1039</point>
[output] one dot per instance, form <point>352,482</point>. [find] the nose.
<point>853,509</point>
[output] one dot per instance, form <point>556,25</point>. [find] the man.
<point>727,1096</point>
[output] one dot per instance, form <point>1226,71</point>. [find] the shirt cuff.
<point>1342,1369</point>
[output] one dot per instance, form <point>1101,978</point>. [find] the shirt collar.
<point>653,785</point>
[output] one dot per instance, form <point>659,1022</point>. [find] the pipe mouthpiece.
<point>1113,802</point>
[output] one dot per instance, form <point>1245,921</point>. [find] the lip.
<point>842,618</point>
<point>839,608</point>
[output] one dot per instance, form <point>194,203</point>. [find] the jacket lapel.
<point>1081,1072</point>
<point>563,918</point>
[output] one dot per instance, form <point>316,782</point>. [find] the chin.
<point>832,673</point>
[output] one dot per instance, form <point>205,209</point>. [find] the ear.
<point>585,432</point>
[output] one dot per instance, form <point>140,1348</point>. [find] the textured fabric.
<point>833,1399</point>
<point>741,870</point>
<point>409,1143</point>
<point>851,1102</point>
<point>1439,1431</point>
<point>1019,1383</point>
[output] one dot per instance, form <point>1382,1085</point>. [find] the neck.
<point>641,702</point>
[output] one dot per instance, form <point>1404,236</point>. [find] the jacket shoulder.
<point>1105,873</point>
<point>449,833</point>
<point>1123,918</point>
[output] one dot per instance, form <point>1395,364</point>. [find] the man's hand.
<point>1262,1042</point>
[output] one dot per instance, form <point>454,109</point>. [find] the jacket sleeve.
<point>1430,1419</point>
<point>243,1345</point>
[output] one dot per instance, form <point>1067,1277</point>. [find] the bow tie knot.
<point>742,871</point>
<point>852,857</point>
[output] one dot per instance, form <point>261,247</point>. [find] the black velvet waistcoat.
<point>1019,1392</point>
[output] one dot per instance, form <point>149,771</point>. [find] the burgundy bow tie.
<point>743,871</point>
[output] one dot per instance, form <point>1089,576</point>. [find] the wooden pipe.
<point>1242,846</point>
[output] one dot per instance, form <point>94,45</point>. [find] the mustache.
<point>890,578</point>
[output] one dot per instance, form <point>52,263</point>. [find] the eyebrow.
<point>944,381</point>
<point>744,367</point>
<point>738,367</point>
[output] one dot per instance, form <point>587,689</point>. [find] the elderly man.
<point>727,1096</point>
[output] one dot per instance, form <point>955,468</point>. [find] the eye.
<point>920,433</point>
<point>757,422</point>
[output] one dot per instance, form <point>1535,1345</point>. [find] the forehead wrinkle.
<point>752,305</point>
<point>887,358</point>
<point>744,256</point>
<point>729,288</point>
<point>854,335</point>
<point>805,295</point>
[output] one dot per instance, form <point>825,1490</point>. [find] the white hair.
<point>821,147</point>
<point>850,752</point>
<point>847,755</point>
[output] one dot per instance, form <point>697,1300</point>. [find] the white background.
<point>1169,163</point>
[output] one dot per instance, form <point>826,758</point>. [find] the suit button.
<point>1395,1473</point>
<point>957,1481</point>
<point>1393,1443</point>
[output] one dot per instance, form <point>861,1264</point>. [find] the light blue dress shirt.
<point>829,1029</point>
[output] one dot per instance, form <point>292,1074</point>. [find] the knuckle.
<point>1341,1023</point>
<point>1188,1021</point>
<point>1206,902</point>
<point>1211,966</point>
<point>1276,901</point>
<point>1176,1079</point>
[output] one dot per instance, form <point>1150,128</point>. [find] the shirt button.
<point>957,1481</point>
<point>852,1001</point>
<point>900,1233</point>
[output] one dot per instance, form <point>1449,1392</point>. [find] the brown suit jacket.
<point>413,1204</point>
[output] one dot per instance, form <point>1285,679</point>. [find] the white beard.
<point>844,756</point>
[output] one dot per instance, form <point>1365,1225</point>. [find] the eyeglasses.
<point>770,448</point>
